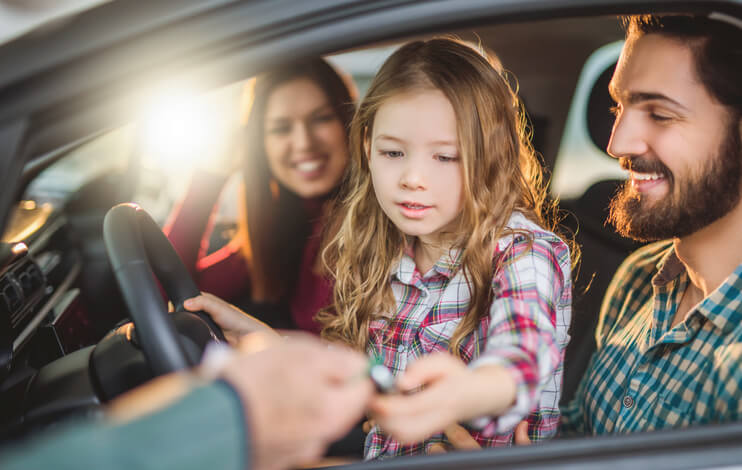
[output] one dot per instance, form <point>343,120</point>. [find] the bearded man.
<point>669,337</point>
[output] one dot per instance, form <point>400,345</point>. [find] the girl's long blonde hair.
<point>500,174</point>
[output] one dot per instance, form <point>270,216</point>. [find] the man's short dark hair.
<point>716,47</point>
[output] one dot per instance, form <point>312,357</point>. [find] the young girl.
<point>442,267</point>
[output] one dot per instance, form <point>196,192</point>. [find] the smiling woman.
<point>292,152</point>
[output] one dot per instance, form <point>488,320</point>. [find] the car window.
<point>579,162</point>
<point>104,154</point>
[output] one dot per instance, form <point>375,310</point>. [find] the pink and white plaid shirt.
<point>525,332</point>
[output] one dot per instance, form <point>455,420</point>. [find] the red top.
<point>224,273</point>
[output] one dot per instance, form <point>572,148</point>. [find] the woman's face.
<point>305,141</point>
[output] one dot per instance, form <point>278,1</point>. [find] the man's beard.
<point>704,196</point>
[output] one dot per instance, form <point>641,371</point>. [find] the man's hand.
<point>299,397</point>
<point>234,322</point>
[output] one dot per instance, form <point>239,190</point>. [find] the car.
<point>72,95</point>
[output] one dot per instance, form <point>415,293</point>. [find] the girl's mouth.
<point>413,210</point>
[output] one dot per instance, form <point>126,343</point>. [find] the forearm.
<point>488,390</point>
<point>203,429</point>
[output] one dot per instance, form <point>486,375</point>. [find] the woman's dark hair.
<point>716,46</point>
<point>273,223</point>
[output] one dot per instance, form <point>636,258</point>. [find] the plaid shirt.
<point>646,375</point>
<point>525,331</point>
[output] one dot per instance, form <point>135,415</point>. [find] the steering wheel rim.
<point>139,251</point>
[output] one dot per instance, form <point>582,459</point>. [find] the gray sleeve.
<point>204,429</point>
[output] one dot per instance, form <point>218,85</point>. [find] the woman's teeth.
<point>308,166</point>
<point>414,206</point>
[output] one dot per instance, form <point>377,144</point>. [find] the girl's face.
<point>415,164</point>
<point>305,141</point>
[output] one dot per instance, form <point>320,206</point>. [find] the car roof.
<point>91,72</point>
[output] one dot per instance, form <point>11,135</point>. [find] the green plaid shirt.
<point>646,375</point>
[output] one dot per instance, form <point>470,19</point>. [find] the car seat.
<point>603,249</point>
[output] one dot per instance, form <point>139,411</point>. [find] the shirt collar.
<point>669,267</point>
<point>723,307</point>
<point>447,265</point>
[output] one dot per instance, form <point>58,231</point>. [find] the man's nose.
<point>628,137</point>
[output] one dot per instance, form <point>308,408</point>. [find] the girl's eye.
<point>392,153</point>
<point>446,158</point>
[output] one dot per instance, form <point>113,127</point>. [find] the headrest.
<point>599,117</point>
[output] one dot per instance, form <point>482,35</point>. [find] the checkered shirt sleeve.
<point>527,333</point>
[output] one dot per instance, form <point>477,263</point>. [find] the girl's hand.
<point>458,437</point>
<point>452,392</point>
<point>233,321</point>
<point>412,417</point>
<point>521,434</point>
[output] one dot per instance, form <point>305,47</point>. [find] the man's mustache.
<point>644,165</point>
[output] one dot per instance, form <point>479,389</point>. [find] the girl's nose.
<point>412,177</point>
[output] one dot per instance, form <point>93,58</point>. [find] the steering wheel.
<point>139,251</point>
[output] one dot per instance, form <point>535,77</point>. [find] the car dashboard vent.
<point>22,285</point>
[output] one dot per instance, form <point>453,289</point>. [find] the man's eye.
<point>659,117</point>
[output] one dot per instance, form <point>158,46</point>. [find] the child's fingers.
<point>521,434</point>
<point>427,401</point>
<point>460,438</point>
<point>436,448</point>
<point>367,425</point>
<point>428,369</point>
<point>410,428</point>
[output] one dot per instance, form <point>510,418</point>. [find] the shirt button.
<point>628,402</point>
<point>400,348</point>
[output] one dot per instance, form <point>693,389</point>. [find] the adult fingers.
<point>206,302</point>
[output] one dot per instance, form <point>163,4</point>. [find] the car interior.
<point>66,342</point>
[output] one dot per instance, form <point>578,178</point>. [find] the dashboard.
<point>42,312</point>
